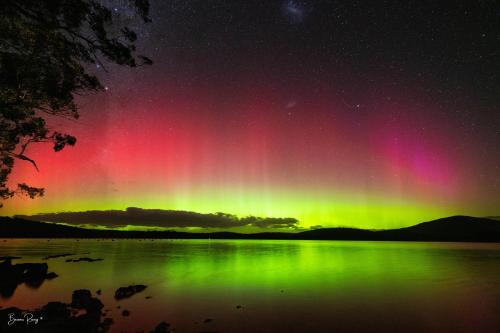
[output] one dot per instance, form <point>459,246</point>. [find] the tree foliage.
<point>46,50</point>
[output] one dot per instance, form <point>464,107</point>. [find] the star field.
<point>333,112</point>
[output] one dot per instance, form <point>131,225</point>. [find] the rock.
<point>11,277</point>
<point>238,306</point>
<point>51,276</point>
<point>56,310</point>
<point>81,298</point>
<point>95,305</point>
<point>32,274</point>
<point>87,259</point>
<point>57,317</point>
<point>162,327</point>
<point>208,320</point>
<point>106,324</point>
<point>126,292</point>
<point>125,313</point>
<point>98,292</point>
<point>58,256</point>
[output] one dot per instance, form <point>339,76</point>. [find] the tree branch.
<point>25,158</point>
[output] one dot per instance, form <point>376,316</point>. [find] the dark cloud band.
<point>162,218</point>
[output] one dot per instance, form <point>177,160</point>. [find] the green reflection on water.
<point>292,286</point>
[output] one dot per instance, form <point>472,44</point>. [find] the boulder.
<point>32,274</point>
<point>162,327</point>
<point>57,317</point>
<point>126,292</point>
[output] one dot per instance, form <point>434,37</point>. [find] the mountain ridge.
<point>449,229</point>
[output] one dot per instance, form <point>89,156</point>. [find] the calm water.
<point>282,286</point>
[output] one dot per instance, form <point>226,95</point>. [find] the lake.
<point>276,286</point>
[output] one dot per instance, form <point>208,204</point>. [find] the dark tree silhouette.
<point>46,49</point>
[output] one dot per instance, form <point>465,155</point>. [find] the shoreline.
<point>451,229</point>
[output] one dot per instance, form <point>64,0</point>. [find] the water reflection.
<point>280,286</point>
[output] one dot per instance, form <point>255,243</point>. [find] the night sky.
<point>332,112</point>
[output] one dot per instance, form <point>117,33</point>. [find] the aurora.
<point>276,125</point>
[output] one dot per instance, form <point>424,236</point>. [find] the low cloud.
<point>162,218</point>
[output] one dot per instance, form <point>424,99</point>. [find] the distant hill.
<point>338,234</point>
<point>449,229</point>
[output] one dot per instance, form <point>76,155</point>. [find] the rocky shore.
<point>83,315</point>
<point>12,275</point>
